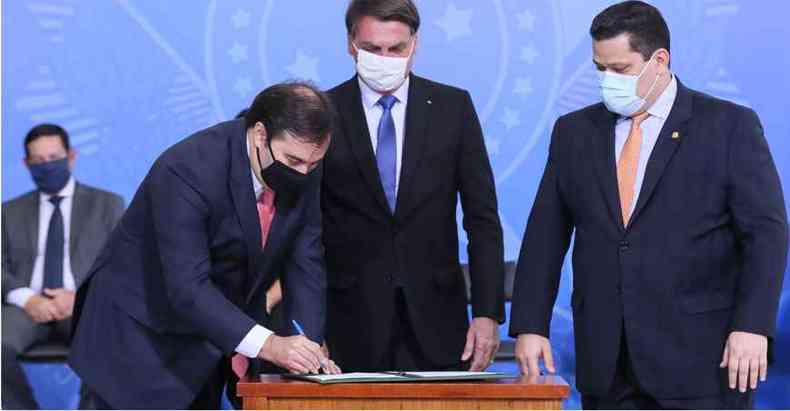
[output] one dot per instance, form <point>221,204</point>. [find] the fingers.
<point>41,316</point>
<point>522,363</point>
<point>485,348</point>
<point>754,372</point>
<point>548,358</point>
<point>316,352</point>
<point>296,365</point>
<point>532,364</point>
<point>303,358</point>
<point>743,374</point>
<point>479,360</point>
<point>332,368</point>
<point>470,344</point>
<point>764,367</point>
<point>733,370</point>
<point>310,360</point>
<point>53,313</point>
<point>725,356</point>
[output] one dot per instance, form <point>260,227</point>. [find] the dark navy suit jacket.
<point>703,255</point>
<point>183,277</point>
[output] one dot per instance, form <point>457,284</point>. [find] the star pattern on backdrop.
<point>525,20</point>
<point>510,118</point>
<point>455,23</point>
<point>493,146</point>
<point>523,86</point>
<point>238,53</point>
<point>304,67</point>
<point>243,86</point>
<point>529,54</point>
<point>241,19</point>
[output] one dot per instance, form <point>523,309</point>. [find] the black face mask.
<point>52,176</point>
<point>288,183</point>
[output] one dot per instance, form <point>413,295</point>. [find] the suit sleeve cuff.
<point>252,343</point>
<point>20,296</point>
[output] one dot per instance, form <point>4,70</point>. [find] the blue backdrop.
<point>130,78</point>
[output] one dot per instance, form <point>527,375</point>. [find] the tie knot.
<point>55,200</point>
<point>639,118</point>
<point>387,101</point>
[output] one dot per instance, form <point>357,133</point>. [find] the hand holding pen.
<point>327,366</point>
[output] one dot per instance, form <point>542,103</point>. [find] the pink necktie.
<point>265,204</point>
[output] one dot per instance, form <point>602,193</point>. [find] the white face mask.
<point>383,74</point>
<point>619,91</point>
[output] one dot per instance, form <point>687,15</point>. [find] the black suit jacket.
<point>368,248</point>
<point>94,213</point>
<point>183,277</point>
<point>703,255</point>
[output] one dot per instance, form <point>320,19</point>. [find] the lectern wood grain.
<point>275,392</point>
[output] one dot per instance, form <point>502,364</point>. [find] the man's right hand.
<point>530,348</point>
<point>42,309</point>
<point>296,354</point>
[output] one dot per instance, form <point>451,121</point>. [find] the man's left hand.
<point>746,357</point>
<point>63,299</point>
<point>482,343</point>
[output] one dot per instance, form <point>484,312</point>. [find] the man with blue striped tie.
<point>404,150</point>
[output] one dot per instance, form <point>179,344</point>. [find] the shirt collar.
<point>663,105</point>
<point>66,191</point>
<point>256,185</point>
<point>371,97</point>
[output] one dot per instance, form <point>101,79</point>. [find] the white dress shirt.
<point>252,343</point>
<point>20,296</point>
<point>373,113</point>
<point>651,128</point>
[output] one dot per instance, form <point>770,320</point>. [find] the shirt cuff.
<point>19,296</point>
<point>252,343</point>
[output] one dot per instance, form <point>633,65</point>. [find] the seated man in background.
<point>51,236</point>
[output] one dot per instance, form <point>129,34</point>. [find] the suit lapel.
<point>665,148</point>
<point>243,195</point>
<point>30,221</point>
<point>414,138</point>
<point>605,165</point>
<point>358,137</point>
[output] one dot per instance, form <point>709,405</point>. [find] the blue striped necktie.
<point>385,149</point>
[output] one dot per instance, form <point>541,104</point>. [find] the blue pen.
<point>301,332</point>
<point>298,327</point>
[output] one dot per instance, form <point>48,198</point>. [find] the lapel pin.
<point>429,101</point>
<point>675,135</point>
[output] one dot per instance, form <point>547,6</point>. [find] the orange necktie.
<point>265,204</point>
<point>627,166</point>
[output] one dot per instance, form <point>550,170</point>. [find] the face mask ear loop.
<point>653,86</point>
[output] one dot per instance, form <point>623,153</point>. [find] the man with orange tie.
<point>174,303</point>
<point>680,235</point>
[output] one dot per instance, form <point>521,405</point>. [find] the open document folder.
<point>396,376</point>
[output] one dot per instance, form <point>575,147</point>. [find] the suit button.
<point>624,246</point>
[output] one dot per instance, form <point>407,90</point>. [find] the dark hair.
<point>646,28</point>
<point>403,11</point>
<point>299,108</point>
<point>241,114</point>
<point>43,130</point>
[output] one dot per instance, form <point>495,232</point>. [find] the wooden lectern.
<point>271,392</point>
